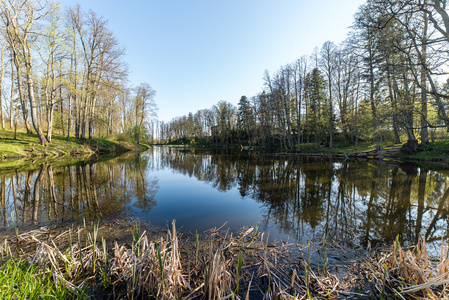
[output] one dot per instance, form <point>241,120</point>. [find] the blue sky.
<point>195,53</point>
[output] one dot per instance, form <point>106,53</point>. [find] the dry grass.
<point>409,274</point>
<point>217,265</point>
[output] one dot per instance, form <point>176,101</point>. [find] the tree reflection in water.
<point>302,197</point>
<point>307,198</point>
<point>106,189</point>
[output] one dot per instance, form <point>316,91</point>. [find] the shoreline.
<point>433,154</point>
<point>141,260</point>
<point>25,153</point>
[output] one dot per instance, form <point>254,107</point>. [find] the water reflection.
<point>300,197</point>
<point>307,198</point>
<point>92,191</point>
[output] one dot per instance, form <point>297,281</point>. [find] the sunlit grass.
<point>25,152</point>
<point>21,280</point>
<point>27,145</point>
<point>434,151</point>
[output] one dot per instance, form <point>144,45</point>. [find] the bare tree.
<point>328,65</point>
<point>19,19</point>
<point>51,53</point>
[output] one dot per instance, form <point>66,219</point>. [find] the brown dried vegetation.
<point>221,266</point>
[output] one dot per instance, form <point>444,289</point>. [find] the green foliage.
<point>144,133</point>
<point>123,137</point>
<point>181,141</point>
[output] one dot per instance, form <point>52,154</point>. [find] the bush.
<point>123,137</point>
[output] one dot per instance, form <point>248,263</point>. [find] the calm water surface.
<point>296,198</point>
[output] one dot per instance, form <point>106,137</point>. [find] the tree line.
<point>63,69</point>
<point>385,82</point>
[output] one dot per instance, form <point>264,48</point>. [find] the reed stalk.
<point>384,282</point>
<point>307,270</point>
<point>325,256</point>
<point>16,229</point>
<point>136,237</point>
<point>197,237</point>
<point>104,271</point>
<point>80,250</point>
<point>239,269</point>
<point>94,244</point>
<point>161,266</point>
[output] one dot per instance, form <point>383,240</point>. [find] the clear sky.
<point>195,53</point>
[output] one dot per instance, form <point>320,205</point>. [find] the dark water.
<point>296,198</point>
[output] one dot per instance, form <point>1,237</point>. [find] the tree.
<point>19,20</point>
<point>299,75</point>
<point>328,65</point>
<point>51,53</point>
<point>246,117</point>
<point>2,73</point>
<point>145,107</point>
<point>101,58</point>
<point>316,95</point>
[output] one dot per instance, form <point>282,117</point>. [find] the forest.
<point>387,82</point>
<point>63,69</point>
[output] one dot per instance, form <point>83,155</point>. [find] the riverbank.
<point>133,260</point>
<point>18,152</point>
<point>436,154</point>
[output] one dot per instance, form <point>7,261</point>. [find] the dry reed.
<point>408,273</point>
<point>221,266</point>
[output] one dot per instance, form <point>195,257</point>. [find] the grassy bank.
<point>16,152</point>
<point>154,264</point>
<point>436,154</point>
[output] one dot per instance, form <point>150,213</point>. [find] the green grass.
<point>340,148</point>
<point>437,152</point>
<point>27,145</point>
<point>16,153</point>
<point>21,280</point>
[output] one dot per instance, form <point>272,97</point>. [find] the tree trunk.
<point>138,134</point>
<point>61,104</point>
<point>2,72</point>
<point>23,102</point>
<point>33,105</point>
<point>50,123</point>
<point>11,100</point>
<point>424,128</point>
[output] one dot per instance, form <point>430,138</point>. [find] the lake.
<point>294,198</point>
